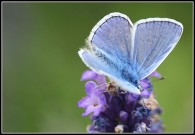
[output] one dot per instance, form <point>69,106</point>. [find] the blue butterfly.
<point>128,53</point>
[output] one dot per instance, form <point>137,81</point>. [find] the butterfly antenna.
<point>101,85</point>
<point>162,78</point>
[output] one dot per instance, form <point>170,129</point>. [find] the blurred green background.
<point>42,70</point>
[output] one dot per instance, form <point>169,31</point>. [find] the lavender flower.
<point>115,110</point>
<point>94,101</point>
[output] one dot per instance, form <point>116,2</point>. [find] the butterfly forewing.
<point>113,35</point>
<point>154,39</point>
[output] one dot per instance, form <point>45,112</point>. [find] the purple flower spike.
<point>117,111</point>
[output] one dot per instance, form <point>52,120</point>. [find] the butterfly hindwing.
<point>100,63</point>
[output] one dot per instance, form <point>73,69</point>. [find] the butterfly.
<point>128,53</point>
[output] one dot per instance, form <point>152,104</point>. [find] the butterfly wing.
<point>112,35</point>
<point>109,50</point>
<point>154,39</point>
<point>98,62</point>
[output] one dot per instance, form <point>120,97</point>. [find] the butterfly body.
<point>128,53</point>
